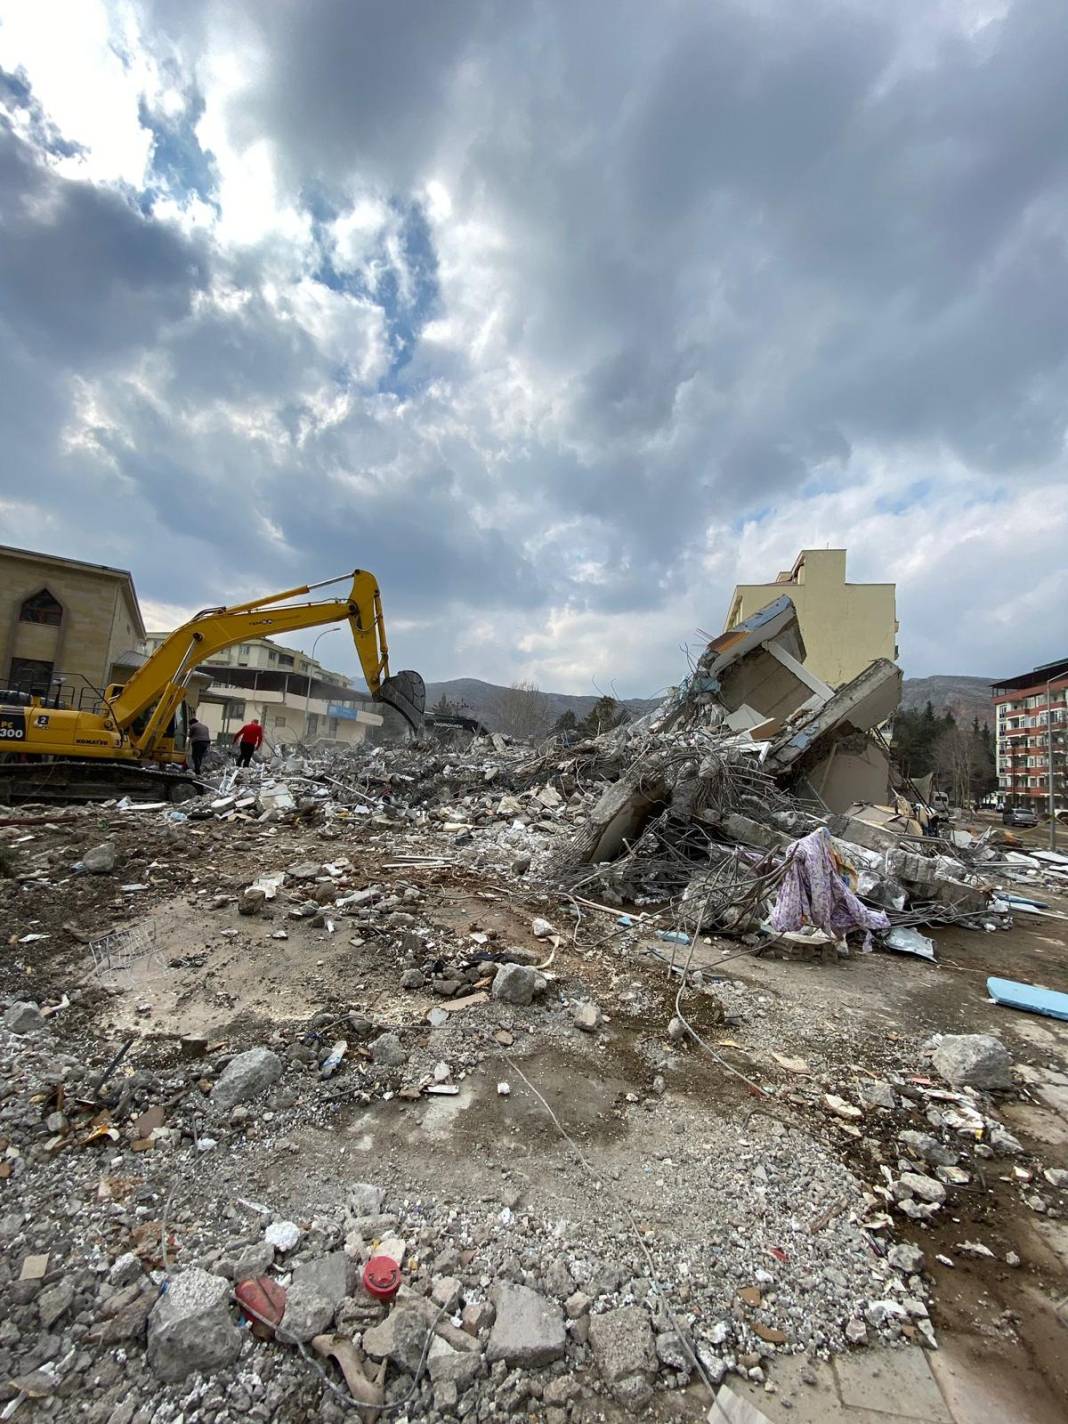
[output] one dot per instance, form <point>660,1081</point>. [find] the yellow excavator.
<point>134,739</point>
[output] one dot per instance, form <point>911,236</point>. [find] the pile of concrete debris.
<point>755,802</point>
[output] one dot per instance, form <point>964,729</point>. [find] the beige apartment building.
<point>264,655</point>
<point>65,625</point>
<point>845,626</point>
<point>292,695</point>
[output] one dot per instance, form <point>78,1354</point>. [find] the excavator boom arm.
<point>160,682</point>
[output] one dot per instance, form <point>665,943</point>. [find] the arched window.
<point>42,608</point>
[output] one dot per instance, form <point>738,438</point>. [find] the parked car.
<point>1018,816</point>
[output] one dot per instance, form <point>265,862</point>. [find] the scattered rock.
<point>927,1148</point>
<point>517,984</point>
<point>973,1060</point>
<point>671,1352</point>
<point>446,1291</point>
<point>877,1095</point>
<point>388,1051</point>
<point>401,1337</point>
<point>914,1184</point>
<point>906,1258</point>
<point>101,860</point>
<point>529,1329</point>
<point>478,1316</point>
<point>190,1327</point>
<point>587,1017</point>
<point>53,1303</point>
<point>256,1261</point>
<point>246,1076</point>
<point>319,1286</point>
<point>125,1270</point>
<point>24,1017</point>
<point>625,1351</point>
<point>282,1235</point>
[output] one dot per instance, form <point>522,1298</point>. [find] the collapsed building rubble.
<point>462,921</point>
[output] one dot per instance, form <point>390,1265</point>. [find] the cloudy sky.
<point>560,317</point>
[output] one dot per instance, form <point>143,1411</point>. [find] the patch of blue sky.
<point>408,291</point>
<point>901,501</point>
<point>179,166</point>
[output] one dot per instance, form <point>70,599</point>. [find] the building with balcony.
<point>845,626</point>
<point>294,697</point>
<point>1031,722</point>
<point>266,656</point>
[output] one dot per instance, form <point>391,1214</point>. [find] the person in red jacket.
<point>250,738</point>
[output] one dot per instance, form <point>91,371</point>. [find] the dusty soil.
<point>213,972</point>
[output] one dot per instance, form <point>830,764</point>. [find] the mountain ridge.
<point>965,696</point>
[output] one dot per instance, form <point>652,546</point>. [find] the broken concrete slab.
<point>529,1329</point>
<point>624,1349</point>
<point>191,1328</point>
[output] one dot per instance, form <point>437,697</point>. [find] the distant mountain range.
<point>965,697</point>
<point>484,701</point>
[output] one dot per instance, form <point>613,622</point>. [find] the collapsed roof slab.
<point>860,705</point>
<point>756,671</point>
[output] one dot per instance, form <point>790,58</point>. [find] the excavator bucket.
<point>406,692</point>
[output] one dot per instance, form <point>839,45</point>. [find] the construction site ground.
<point>663,1146</point>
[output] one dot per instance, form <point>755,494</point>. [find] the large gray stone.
<point>332,1276</point>
<point>388,1051</point>
<point>190,1327</point>
<point>365,1199</point>
<point>528,1331</point>
<point>319,1286</point>
<point>450,1366</point>
<point>517,984</point>
<point>53,1303</point>
<point>254,1261</point>
<point>402,1336</point>
<point>245,1077</point>
<point>24,1017</point>
<point>587,1017</point>
<point>973,1060</point>
<point>623,1345</point>
<point>101,860</point>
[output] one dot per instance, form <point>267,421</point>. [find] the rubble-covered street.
<point>556,1031</point>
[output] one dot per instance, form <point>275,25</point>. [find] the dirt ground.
<point>214,972</point>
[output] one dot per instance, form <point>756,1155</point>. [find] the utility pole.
<point>307,694</point>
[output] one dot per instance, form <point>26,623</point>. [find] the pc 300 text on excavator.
<point>133,740</point>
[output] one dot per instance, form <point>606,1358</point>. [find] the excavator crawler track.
<point>67,781</point>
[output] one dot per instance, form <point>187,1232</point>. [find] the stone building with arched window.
<point>65,625</point>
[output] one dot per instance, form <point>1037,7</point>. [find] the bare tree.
<point>524,712</point>
<point>958,758</point>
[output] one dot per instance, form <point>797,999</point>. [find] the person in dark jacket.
<point>199,742</point>
<point>248,740</point>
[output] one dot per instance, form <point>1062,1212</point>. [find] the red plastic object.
<point>381,1277</point>
<point>264,1303</point>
